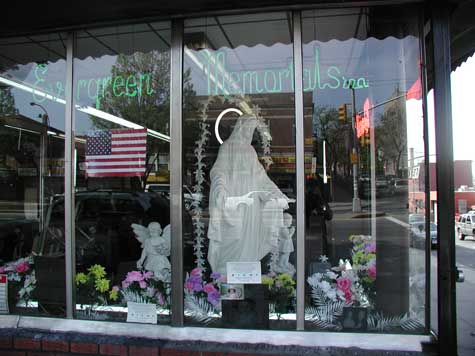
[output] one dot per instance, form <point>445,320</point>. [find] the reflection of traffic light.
<point>342,112</point>
<point>365,140</point>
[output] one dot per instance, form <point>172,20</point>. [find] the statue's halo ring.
<point>220,116</point>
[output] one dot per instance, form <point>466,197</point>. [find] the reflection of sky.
<point>26,74</point>
<point>386,64</point>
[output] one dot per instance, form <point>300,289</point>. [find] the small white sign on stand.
<point>141,313</point>
<point>243,272</point>
<point>4,294</point>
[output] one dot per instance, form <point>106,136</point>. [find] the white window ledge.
<point>369,341</point>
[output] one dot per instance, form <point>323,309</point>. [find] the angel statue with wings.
<point>155,249</point>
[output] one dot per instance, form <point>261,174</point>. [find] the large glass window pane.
<point>122,114</point>
<point>239,172</point>
<point>364,201</point>
<point>32,82</point>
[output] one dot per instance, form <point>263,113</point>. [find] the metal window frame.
<point>428,245</point>
<point>176,169</point>
<point>300,168</point>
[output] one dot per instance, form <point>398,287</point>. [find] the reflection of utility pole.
<point>43,164</point>
<point>356,198</point>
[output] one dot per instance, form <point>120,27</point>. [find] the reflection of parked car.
<point>381,186</point>
<point>16,238</point>
<point>418,234</point>
<point>466,225</point>
<point>103,236</point>
<point>103,226</point>
<point>398,186</point>
<point>103,232</point>
<point>188,195</point>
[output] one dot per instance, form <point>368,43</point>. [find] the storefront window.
<point>122,114</point>
<point>239,172</point>
<point>364,201</point>
<point>32,76</point>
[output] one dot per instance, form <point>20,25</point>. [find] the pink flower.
<point>195,272</point>
<point>372,271</point>
<point>115,288</point>
<point>22,267</point>
<point>348,296</point>
<point>344,284</point>
<point>189,285</point>
<point>143,284</point>
<point>3,269</point>
<point>147,275</point>
<point>134,276</point>
<point>125,284</point>
<point>209,288</point>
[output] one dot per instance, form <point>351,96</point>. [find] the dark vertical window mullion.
<point>446,275</point>
<point>69,211</point>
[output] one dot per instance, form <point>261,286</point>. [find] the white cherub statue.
<point>155,249</point>
<point>286,246</point>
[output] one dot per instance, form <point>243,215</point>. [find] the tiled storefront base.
<point>25,336</point>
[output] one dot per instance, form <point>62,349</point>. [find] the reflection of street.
<point>465,251</point>
<point>401,275</point>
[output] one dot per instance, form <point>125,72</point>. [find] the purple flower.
<point>194,283</point>
<point>213,297</point>
<point>161,299</point>
<point>370,247</point>
<point>215,275</point>
<point>125,284</point>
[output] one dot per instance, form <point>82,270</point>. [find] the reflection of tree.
<point>391,138</point>
<point>327,127</point>
<point>7,102</point>
<point>151,109</point>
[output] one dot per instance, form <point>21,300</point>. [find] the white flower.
<point>325,286</point>
<point>331,275</point>
<point>331,294</point>
<point>314,279</point>
<point>323,258</point>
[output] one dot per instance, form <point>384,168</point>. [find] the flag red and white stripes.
<point>116,153</point>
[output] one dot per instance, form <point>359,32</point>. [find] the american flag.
<point>116,153</point>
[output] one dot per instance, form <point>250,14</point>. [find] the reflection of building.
<point>463,184</point>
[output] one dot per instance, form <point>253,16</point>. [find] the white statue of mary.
<point>245,206</point>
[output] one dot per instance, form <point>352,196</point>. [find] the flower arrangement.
<point>21,278</point>
<point>143,287</point>
<point>281,291</point>
<point>92,287</point>
<point>340,283</point>
<point>350,284</point>
<point>364,263</point>
<point>202,298</point>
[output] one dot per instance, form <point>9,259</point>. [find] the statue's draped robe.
<point>247,231</point>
